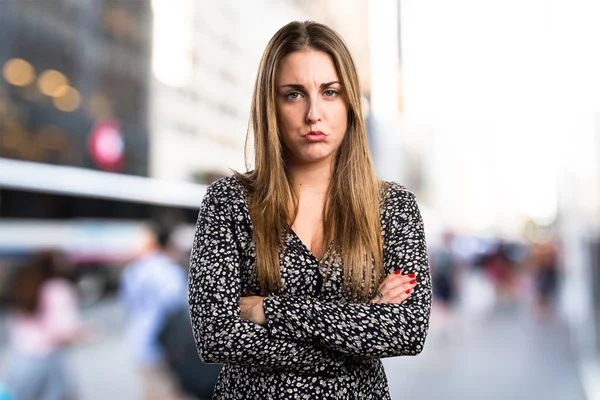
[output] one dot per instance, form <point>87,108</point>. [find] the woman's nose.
<point>314,112</point>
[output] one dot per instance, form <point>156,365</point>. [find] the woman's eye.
<point>293,96</point>
<point>331,93</point>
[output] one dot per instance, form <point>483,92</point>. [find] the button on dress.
<point>318,344</point>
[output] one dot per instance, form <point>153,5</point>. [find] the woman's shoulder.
<point>225,190</point>
<point>397,196</point>
<point>394,190</point>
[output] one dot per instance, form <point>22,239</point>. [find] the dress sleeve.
<point>214,296</point>
<point>371,330</point>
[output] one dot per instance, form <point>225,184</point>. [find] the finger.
<point>391,282</point>
<point>378,296</point>
<point>399,274</point>
<point>394,280</point>
<point>391,278</point>
<point>402,297</point>
<point>391,285</point>
<point>400,290</point>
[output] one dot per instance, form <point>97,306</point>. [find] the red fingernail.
<point>413,282</point>
<point>408,291</point>
<point>411,275</point>
<point>397,272</point>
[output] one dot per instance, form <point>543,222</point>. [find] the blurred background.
<point>117,113</point>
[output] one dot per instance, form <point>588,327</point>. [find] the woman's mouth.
<point>315,136</point>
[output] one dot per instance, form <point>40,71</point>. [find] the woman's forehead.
<point>307,67</point>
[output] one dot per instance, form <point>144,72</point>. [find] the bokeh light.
<point>69,100</point>
<point>18,72</point>
<point>53,83</point>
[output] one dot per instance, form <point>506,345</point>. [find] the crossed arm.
<point>302,334</point>
<point>221,335</point>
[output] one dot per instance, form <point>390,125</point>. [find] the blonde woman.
<point>308,269</point>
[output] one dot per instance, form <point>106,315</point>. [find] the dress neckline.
<point>305,248</point>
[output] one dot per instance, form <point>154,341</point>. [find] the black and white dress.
<point>317,344</point>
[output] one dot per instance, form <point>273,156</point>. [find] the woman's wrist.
<point>252,309</point>
<point>259,314</point>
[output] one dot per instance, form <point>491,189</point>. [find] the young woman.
<point>308,269</point>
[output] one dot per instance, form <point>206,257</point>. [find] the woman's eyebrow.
<point>301,87</point>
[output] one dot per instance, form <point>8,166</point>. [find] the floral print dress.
<point>317,344</point>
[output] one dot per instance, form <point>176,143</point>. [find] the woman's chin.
<point>315,158</point>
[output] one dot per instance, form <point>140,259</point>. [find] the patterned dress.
<point>317,344</point>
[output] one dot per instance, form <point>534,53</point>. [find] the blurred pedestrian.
<point>444,269</point>
<point>44,322</point>
<point>153,287</point>
<point>444,274</point>
<point>307,270</point>
<point>546,270</point>
<point>501,270</point>
<point>195,377</point>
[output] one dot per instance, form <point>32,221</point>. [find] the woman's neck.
<point>311,177</point>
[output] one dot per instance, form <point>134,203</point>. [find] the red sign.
<point>106,145</point>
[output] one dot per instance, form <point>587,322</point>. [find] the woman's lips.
<point>315,136</point>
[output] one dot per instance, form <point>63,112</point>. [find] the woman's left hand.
<point>251,309</point>
<point>395,289</point>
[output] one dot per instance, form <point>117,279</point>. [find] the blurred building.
<point>74,86</point>
<point>74,90</point>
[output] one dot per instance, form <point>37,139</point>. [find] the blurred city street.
<point>116,116</point>
<point>105,368</point>
<point>507,356</point>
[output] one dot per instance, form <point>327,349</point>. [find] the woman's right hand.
<point>395,288</point>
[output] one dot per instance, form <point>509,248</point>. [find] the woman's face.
<point>311,110</point>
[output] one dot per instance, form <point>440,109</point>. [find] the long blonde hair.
<point>351,212</point>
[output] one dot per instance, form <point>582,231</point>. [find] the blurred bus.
<point>95,217</point>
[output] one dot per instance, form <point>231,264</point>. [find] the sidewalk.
<point>506,357</point>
